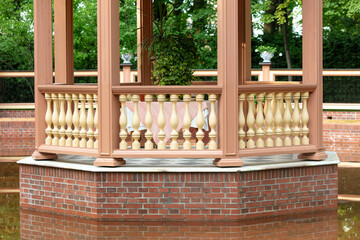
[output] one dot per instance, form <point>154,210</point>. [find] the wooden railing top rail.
<point>277,88</point>
<point>167,89</point>
<point>198,73</point>
<point>77,88</point>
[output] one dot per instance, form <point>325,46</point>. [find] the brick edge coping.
<point>331,160</point>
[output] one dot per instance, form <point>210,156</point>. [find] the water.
<point>15,223</point>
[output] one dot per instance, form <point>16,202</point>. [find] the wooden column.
<point>43,69</point>
<point>144,35</point>
<point>108,68</point>
<point>64,42</point>
<point>229,74</point>
<point>312,73</point>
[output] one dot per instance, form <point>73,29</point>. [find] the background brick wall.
<point>43,226</point>
<point>178,196</point>
<point>341,115</point>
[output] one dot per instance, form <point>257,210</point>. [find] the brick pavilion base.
<point>272,186</point>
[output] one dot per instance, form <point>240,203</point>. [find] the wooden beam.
<point>108,68</point>
<point>229,74</point>
<point>313,73</point>
<point>64,42</point>
<point>43,69</point>
<point>144,35</point>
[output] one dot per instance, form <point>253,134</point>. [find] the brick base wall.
<point>341,115</point>
<point>43,226</point>
<point>178,196</point>
<point>344,139</point>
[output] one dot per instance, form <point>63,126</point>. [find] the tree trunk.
<point>286,47</point>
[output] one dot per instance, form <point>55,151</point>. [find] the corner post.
<point>313,73</point>
<point>229,74</point>
<point>109,68</point>
<point>43,70</point>
<point>64,42</point>
<point>144,33</point>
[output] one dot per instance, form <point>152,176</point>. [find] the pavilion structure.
<point>245,120</point>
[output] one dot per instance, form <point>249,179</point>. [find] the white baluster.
<point>287,120</point>
<point>68,120</point>
<point>278,121</point>
<point>305,118</point>
<point>296,119</point>
<point>273,107</point>
<point>148,122</point>
<point>187,123</point>
<point>200,123</point>
<point>55,119</point>
<point>123,122</point>
<point>242,144</point>
<point>48,116</point>
<point>161,122</point>
<point>136,123</point>
<point>62,120</point>
<point>250,121</point>
<point>269,121</point>
<point>212,123</point>
<point>174,122</point>
<point>260,121</point>
<point>82,120</point>
<point>96,122</point>
<point>76,121</point>
<point>90,121</point>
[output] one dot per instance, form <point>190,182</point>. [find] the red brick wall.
<point>42,226</point>
<point>341,115</point>
<point>178,196</point>
<point>344,139</point>
<point>17,113</point>
<point>17,138</point>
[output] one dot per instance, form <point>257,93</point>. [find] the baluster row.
<point>161,123</point>
<point>66,125</point>
<point>281,124</point>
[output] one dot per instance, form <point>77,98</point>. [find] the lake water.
<point>23,224</point>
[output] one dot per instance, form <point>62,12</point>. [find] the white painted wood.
<point>250,120</point>
<point>296,119</point>
<point>123,122</point>
<point>76,121</point>
<point>82,99</point>
<point>260,121</point>
<point>287,120</point>
<point>278,120</point>
<point>90,121</point>
<point>48,119</point>
<point>161,122</point>
<point>148,122</point>
<point>305,118</point>
<point>136,123</point>
<point>187,123</point>
<point>174,122</point>
<point>55,119</point>
<point>68,117</point>
<point>269,121</point>
<point>242,144</point>
<point>200,123</point>
<point>212,123</point>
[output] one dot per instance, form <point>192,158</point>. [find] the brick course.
<point>43,226</point>
<point>178,196</point>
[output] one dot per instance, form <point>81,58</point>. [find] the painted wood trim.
<point>277,88</point>
<point>166,89</point>
<point>277,150</point>
<point>93,152</point>
<point>167,154</point>
<point>68,89</point>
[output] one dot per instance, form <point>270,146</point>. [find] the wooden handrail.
<point>277,88</point>
<point>77,88</point>
<point>167,89</point>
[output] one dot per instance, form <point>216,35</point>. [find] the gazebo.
<point>258,133</point>
<point>238,128</point>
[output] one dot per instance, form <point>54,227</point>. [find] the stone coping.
<point>82,163</point>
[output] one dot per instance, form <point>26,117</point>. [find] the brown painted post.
<point>313,73</point>
<point>266,72</point>
<point>43,69</point>
<point>229,74</point>
<point>108,68</point>
<point>126,72</point>
<point>64,43</point>
<point>144,35</point>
